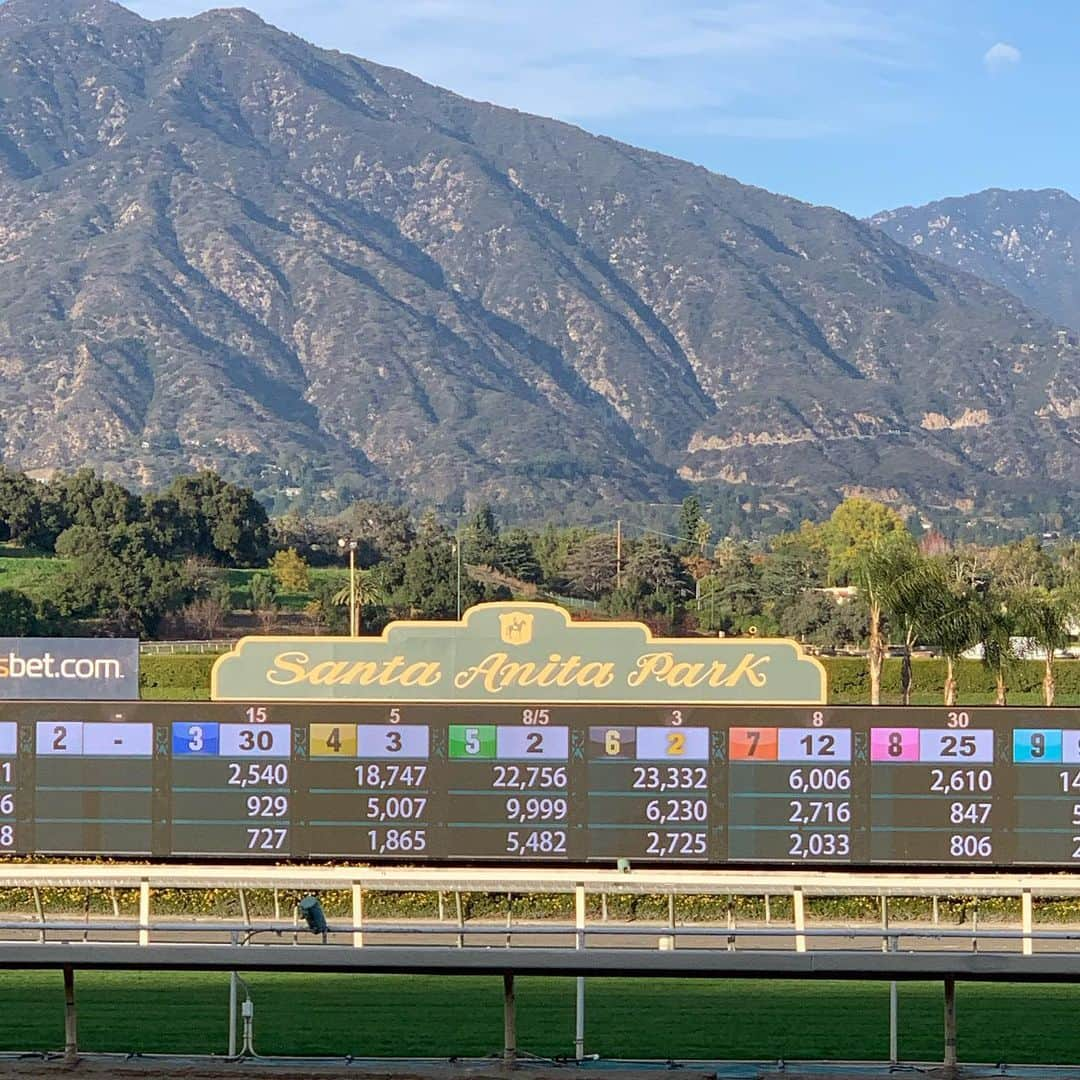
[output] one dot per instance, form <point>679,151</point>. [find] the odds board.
<point>571,784</point>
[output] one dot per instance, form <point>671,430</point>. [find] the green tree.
<point>516,556</point>
<point>998,625</point>
<point>906,595</point>
<point>1045,618</point>
<point>856,527</point>
<point>369,594</point>
<point>951,617</point>
<point>225,522</point>
<point>117,577</point>
<point>18,617</point>
<point>84,498</point>
<point>795,563</point>
<point>385,531</point>
<point>291,571</point>
<point>817,619</point>
<point>689,525</point>
<point>428,588</point>
<point>262,591</point>
<point>1022,564</point>
<point>590,565</point>
<point>480,537</point>
<point>21,510</point>
<point>874,570</point>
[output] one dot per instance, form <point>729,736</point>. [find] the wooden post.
<point>40,913</point>
<point>71,1037</point>
<point>799,911</point>
<point>357,914</point>
<point>950,1027</point>
<point>460,919</point>
<point>509,1020</point>
<point>1026,920</point>
<point>144,912</point>
<point>579,988</point>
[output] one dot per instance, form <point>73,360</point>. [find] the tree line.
<point>859,579</point>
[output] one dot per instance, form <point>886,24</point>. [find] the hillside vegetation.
<point>223,247</point>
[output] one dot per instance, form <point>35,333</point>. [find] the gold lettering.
<point>651,665</point>
<point>364,672</point>
<point>748,666</point>
<point>567,674</point>
<point>716,673</point>
<point>328,673</point>
<point>388,676</point>
<point>292,662</point>
<point>485,671</point>
<point>523,674</point>
<point>420,673</point>
<point>597,673</point>
<point>546,675</point>
<point>685,674</point>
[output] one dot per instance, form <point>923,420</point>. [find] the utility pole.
<point>618,553</point>
<point>457,555</point>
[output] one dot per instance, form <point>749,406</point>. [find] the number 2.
<point>59,735</point>
<point>676,743</point>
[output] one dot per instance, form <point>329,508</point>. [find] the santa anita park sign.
<point>525,652</point>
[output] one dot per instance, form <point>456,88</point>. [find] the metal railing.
<point>453,945</point>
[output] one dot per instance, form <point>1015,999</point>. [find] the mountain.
<point>1025,241</point>
<point>221,246</point>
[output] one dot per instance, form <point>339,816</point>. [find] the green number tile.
<point>472,740</point>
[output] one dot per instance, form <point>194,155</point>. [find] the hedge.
<point>187,676</point>
<point>849,680</point>
<point>644,908</point>
<point>177,677</point>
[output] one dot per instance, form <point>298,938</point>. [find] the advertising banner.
<point>101,669</point>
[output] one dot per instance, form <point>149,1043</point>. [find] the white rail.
<point>808,883</point>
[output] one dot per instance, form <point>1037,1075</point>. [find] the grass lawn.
<point>28,573</point>
<point>239,585</point>
<point>416,1016</point>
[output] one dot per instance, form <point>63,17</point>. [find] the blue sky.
<point>862,105</point>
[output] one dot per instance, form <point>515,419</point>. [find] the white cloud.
<point>1001,56</point>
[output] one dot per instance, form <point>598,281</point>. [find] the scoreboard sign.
<point>559,783</point>
<point>523,652</point>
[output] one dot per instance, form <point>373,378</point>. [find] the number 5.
<point>472,740</point>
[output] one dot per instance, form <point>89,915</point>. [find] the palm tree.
<point>877,572</point>
<point>951,618</point>
<point>907,595</point>
<point>998,624</point>
<point>368,591</point>
<point>1045,618</point>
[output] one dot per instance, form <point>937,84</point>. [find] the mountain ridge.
<point>222,246</point>
<point>1025,240</point>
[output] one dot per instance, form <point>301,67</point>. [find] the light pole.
<point>350,544</point>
